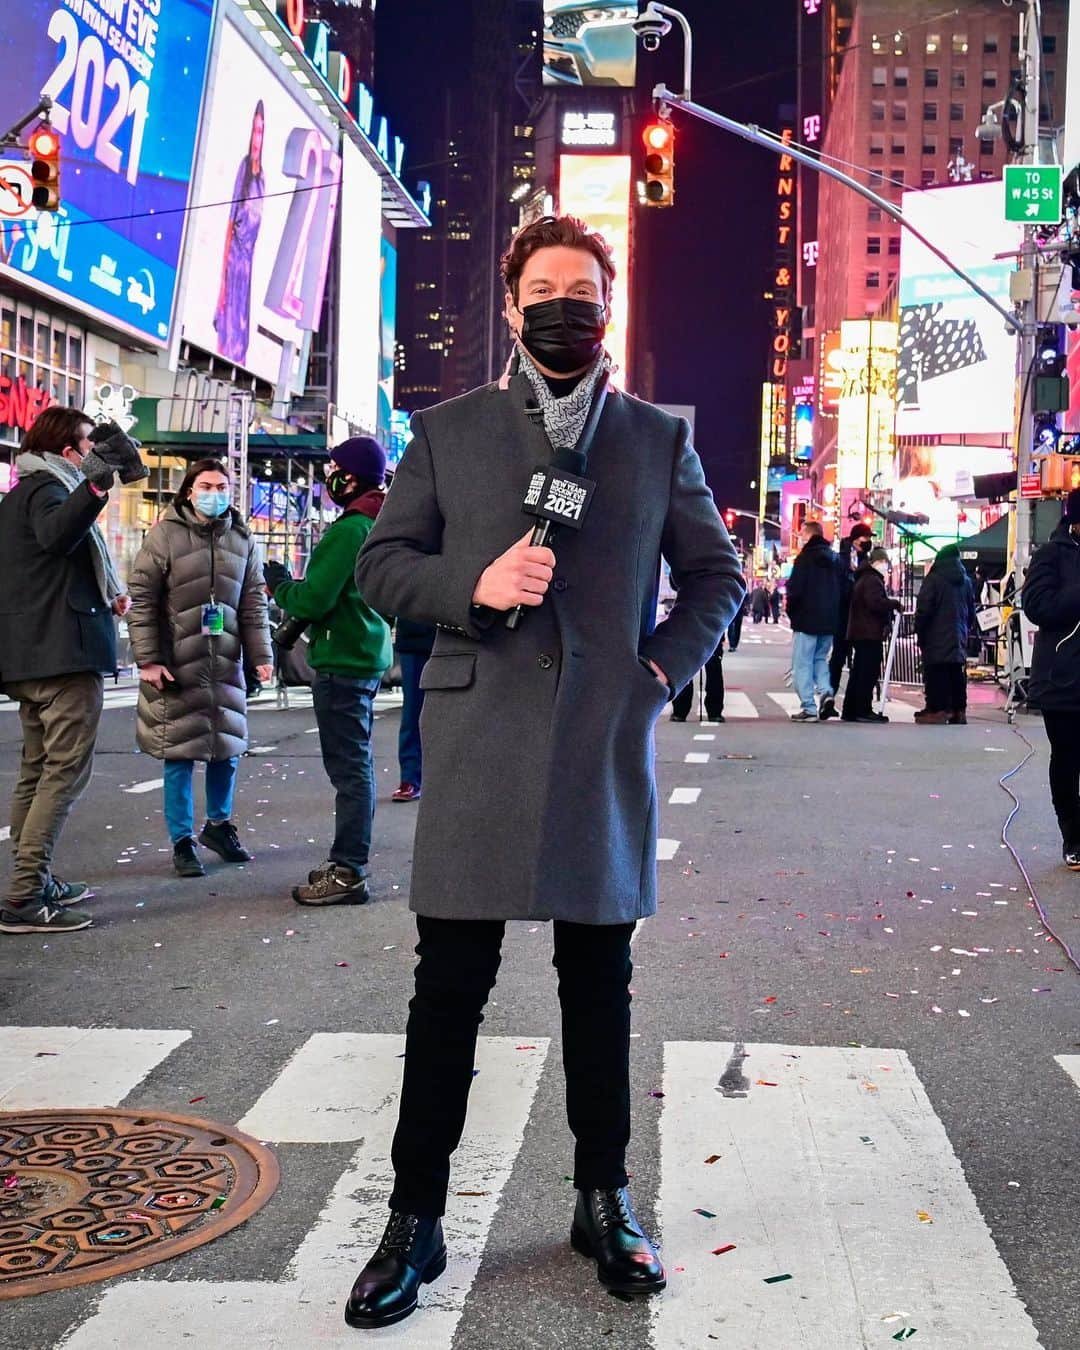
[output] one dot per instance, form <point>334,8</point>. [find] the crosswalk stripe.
<point>148,785</point>
<point>1071,1065</point>
<point>68,1067</point>
<point>738,704</point>
<point>305,1309</point>
<point>696,757</point>
<point>666,849</point>
<point>788,701</point>
<point>831,1167</point>
<point>684,796</point>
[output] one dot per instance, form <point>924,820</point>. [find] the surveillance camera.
<point>650,28</point>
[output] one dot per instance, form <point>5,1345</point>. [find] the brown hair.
<point>554,232</point>
<point>183,492</point>
<point>54,430</point>
<point>813,527</point>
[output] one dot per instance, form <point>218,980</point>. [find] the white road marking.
<point>705,736</point>
<point>1071,1065</point>
<point>738,704</point>
<point>823,1177</point>
<point>666,849</point>
<point>261,749</point>
<point>5,833</point>
<point>788,701</point>
<point>684,796</point>
<point>150,785</point>
<point>898,711</point>
<point>67,1067</point>
<point>305,1309</point>
<point>696,757</point>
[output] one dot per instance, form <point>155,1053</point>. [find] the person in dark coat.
<point>713,673</point>
<point>413,643</point>
<point>539,790</point>
<point>944,620</point>
<point>58,594</point>
<point>813,601</point>
<point>759,603</point>
<point>776,600</point>
<point>869,614</point>
<point>854,551</point>
<point>1051,599</point>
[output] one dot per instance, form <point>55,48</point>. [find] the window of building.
<point>879,77</point>
<point>877,146</point>
<point>900,77</point>
<point>958,79</point>
<point>42,351</point>
<point>959,44</point>
<point>930,77</point>
<point>990,45</point>
<point>876,43</point>
<point>929,145</point>
<point>928,177</point>
<point>873,281</point>
<point>877,111</point>
<point>899,44</point>
<point>876,178</point>
<point>989,79</point>
<point>873,215</point>
<point>933,43</point>
<point>956,146</point>
<point>899,146</point>
<point>1014,44</point>
<point>892,278</point>
<point>929,112</point>
<point>899,112</point>
<point>894,246</point>
<point>986,148</point>
<point>956,112</point>
<point>1049,44</point>
<point>873,243</point>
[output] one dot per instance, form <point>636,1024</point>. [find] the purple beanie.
<point>363,457</point>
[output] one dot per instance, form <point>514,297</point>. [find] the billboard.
<point>956,359</point>
<point>931,477</point>
<point>357,371</point>
<point>258,260</point>
<point>596,188</point>
<point>126,98</point>
<point>864,430</point>
<point>387,331</point>
<point>590,42</point>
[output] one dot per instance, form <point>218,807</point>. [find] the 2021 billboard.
<point>126,80</point>
<point>257,260</point>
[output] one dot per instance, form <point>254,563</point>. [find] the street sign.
<point>1030,485</point>
<point>1033,193</point>
<point>16,188</point>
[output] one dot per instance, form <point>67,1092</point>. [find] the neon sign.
<point>783,280</point>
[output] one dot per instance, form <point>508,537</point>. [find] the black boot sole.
<point>583,1247</point>
<point>432,1271</point>
<point>222,854</point>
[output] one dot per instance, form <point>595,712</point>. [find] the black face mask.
<point>563,335</point>
<point>341,487</point>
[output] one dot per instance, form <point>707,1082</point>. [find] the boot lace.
<point>399,1235</point>
<point>611,1209</point>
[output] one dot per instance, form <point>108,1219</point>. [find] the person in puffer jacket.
<point>198,609</point>
<point>1051,599</point>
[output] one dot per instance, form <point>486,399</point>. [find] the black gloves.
<point>114,452</point>
<point>274,573</point>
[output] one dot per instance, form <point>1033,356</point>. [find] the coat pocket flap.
<point>449,672</point>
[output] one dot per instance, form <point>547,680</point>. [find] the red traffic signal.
<point>44,148</point>
<point>659,141</point>
<point>729,519</point>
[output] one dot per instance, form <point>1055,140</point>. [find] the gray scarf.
<point>565,418</point>
<point>104,571</point>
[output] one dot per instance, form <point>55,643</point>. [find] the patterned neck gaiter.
<point>565,418</point>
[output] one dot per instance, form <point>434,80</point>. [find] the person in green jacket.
<point>349,647</point>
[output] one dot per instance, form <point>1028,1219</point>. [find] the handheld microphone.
<point>558,494</point>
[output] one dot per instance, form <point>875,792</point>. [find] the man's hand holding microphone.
<point>520,576</point>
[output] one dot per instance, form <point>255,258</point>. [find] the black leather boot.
<point>606,1228</point>
<point>411,1253</point>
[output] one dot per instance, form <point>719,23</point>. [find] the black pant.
<point>734,632</point>
<point>714,689</point>
<point>1063,729</point>
<point>946,686</point>
<point>865,673</point>
<point>841,650</point>
<point>459,960</point>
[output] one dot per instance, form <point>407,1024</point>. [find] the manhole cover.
<point>87,1195</point>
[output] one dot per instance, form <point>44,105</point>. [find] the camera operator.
<point>58,594</point>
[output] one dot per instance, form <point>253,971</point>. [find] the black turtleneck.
<point>563,385</point>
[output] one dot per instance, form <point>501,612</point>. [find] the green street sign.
<point>1033,193</point>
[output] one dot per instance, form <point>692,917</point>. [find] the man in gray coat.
<point>539,793</point>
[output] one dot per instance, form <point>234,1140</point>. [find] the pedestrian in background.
<point>413,643</point>
<point>776,600</point>
<point>854,551</point>
<point>869,615</point>
<point>813,601</point>
<point>349,648</point>
<point>58,594</point>
<point>759,603</point>
<point>713,672</point>
<point>1051,598</point>
<point>198,608</point>
<point>944,621</point>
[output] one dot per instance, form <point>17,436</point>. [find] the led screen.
<point>387,330</point>
<point>590,43</point>
<point>596,188</point>
<point>126,80</point>
<point>257,262</point>
<point>359,267</point>
<point>956,360</point>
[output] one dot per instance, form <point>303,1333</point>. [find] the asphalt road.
<point>836,905</point>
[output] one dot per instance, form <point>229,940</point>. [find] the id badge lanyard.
<point>213,616</point>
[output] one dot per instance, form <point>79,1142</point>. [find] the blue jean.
<point>180,798</point>
<point>810,667</point>
<point>343,710</point>
<point>408,749</point>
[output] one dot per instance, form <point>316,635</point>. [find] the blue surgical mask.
<point>211,503</point>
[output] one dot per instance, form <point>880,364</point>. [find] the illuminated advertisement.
<point>596,188</point>
<point>831,375</point>
<point>126,82</point>
<point>359,266</point>
<point>864,433</point>
<point>783,277</point>
<point>387,331</point>
<point>956,358</point>
<point>802,431</point>
<point>931,477</point>
<point>259,260</point>
<point>595,130</point>
<point>590,42</point>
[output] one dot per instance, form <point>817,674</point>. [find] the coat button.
<point>559,584</point>
<point>544,661</point>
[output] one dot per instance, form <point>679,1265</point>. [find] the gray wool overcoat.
<point>203,713</point>
<point>539,792</point>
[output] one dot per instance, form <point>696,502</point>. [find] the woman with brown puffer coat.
<point>198,609</point>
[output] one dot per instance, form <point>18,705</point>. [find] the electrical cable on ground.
<point>1003,783</point>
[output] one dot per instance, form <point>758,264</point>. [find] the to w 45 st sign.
<point>1033,193</point>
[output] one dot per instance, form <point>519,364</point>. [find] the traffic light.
<point>45,168</point>
<point>729,520</point>
<point>659,138</point>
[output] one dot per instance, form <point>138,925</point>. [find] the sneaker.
<point>1071,858</point>
<point>872,717</point>
<point>407,792</point>
<point>827,710</point>
<point>186,860</point>
<point>224,841</point>
<point>42,917</point>
<point>713,717</point>
<point>317,872</point>
<point>804,716</point>
<point>59,892</point>
<point>340,885</point>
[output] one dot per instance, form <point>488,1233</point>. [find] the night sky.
<point>712,251</point>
